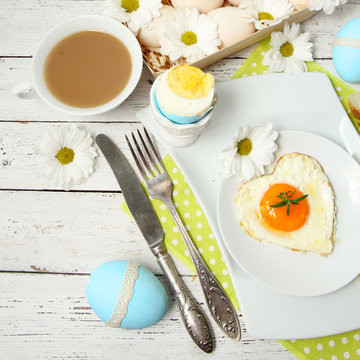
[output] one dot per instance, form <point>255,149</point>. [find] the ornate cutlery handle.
<point>192,315</point>
<point>219,304</point>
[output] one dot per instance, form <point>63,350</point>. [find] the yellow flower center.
<point>244,146</point>
<point>65,155</point>
<point>130,5</point>
<point>287,49</point>
<point>189,38</point>
<point>263,15</point>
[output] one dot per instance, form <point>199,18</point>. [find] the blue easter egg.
<point>176,118</point>
<point>126,295</point>
<point>346,51</point>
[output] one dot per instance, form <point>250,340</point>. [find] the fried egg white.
<point>309,225</point>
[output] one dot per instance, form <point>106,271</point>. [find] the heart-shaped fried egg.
<point>292,207</point>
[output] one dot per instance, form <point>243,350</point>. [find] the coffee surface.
<point>87,69</point>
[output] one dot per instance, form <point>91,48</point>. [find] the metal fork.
<point>160,186</point>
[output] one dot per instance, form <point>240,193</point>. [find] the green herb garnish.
<point>284,196</point>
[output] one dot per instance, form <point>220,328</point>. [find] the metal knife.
<point>145,217</point>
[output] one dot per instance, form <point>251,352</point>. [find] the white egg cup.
<point>178,135</point>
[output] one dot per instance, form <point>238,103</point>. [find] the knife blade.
<point>135,197</point>
<point>144,215</point>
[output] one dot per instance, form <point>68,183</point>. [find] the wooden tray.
<point>297,17</point>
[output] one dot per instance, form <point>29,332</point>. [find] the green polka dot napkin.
<point>343,346</point>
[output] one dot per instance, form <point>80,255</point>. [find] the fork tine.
<point>137,162</point>
<point>154,150</point>
<point>149,155</point>
<point>142,157</point>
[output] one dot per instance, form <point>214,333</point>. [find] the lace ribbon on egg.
<point>347,41</point>
<point>126,294</point>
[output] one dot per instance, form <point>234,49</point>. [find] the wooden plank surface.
<point>50,240</point>
<point>23,24</point>
<point>43,324</point>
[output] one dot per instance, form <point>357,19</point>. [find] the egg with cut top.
<point>293,207</point>
<point>185,94</point>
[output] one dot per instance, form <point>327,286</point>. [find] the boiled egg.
<point>306,221</point>
<point>185,94</point>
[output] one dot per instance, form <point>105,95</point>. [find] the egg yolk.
<point>190,82</point>
<point>276,217</point>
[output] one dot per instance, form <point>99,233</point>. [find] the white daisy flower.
<point>253,148</point>
<point>264,13</point>
<point>66,156</point>
<point>190,35</point>
<point>290,49</point>
<point>135,13</point>
<point>327,5</point>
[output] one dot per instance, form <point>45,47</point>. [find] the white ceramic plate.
<point>299,273</point>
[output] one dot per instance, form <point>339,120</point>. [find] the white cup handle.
<point>24,90</point>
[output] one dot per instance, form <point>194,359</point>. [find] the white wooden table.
<point>50,240</point>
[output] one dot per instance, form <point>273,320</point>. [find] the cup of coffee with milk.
<point>85,66</point>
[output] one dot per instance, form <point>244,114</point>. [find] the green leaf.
<point>286,201</point>
<point>300,198</point>
<point>291,193</point>
<point>280,204</point>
